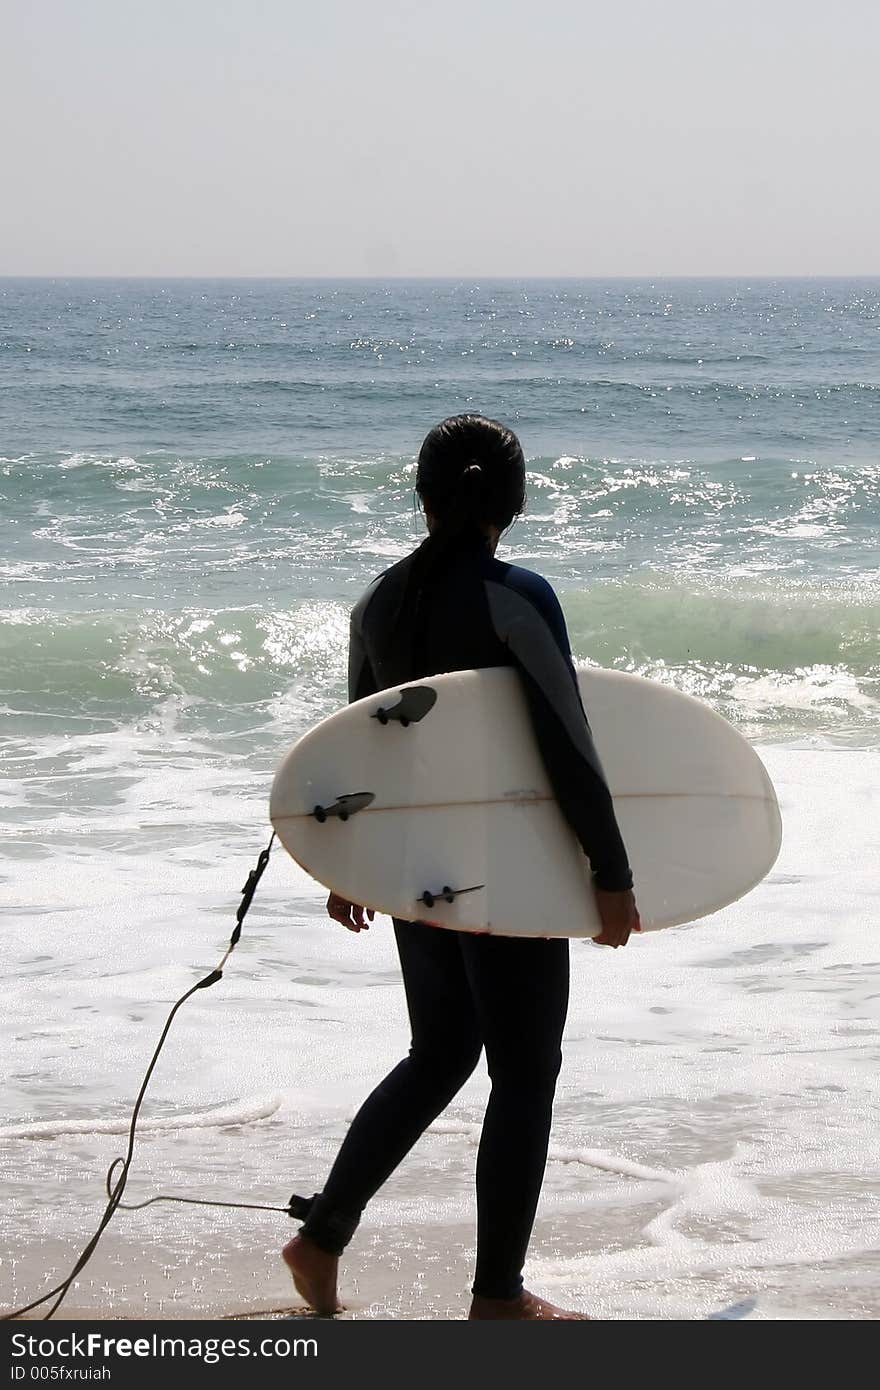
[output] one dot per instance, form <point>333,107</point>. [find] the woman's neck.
<point>492,534</point>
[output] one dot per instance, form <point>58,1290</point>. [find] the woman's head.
<point>471,474</point>
<point>471,482</point>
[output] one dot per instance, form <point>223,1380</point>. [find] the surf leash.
<point>115,1186</point>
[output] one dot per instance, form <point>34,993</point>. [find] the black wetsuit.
<point>467,991</point>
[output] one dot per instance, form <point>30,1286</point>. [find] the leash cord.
<point>115,1189</point>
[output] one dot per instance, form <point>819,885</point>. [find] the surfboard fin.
<point>415,702</point>
<point>446,894</point>
<point>344,806</point>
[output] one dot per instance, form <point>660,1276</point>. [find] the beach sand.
<point>398,1272</point>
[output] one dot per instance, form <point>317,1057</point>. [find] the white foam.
<point>716,1110</point>
<point>240,1114</point>
<point>588,1158</point>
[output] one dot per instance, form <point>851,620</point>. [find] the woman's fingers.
<point>348,914</point>
<point>340,910</point>
<point>612,938</point>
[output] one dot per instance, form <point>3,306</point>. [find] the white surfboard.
<point>430,802</point>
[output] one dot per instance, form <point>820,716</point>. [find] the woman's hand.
<point>351,915</point>
<point>618,915</point>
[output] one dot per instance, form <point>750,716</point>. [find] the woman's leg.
<point>520,989</point>
<point>445,1048</point>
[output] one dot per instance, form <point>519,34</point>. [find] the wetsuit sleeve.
<point>529,620</point>
<point>361,680</point>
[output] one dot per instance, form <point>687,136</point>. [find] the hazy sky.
<point>439,137</point>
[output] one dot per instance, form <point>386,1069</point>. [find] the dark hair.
<point>471,474</point>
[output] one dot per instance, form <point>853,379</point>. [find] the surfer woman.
<point>452,606</point>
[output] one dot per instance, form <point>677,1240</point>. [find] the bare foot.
<point>527,1306</point>
<point>314,1274</point>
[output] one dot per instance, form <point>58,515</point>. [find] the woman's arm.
<point>528,618</point>
<point>361,680</point>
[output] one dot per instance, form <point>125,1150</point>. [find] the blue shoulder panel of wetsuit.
<point>542,595</point>
<point>528,619</point>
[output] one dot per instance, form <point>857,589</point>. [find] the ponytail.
<point>471,475</point>
<point>463,518</point>
<point>465,514</point>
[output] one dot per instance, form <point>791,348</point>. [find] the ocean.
<point>197,480</point>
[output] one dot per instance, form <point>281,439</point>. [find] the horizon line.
<point>654,275</point>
